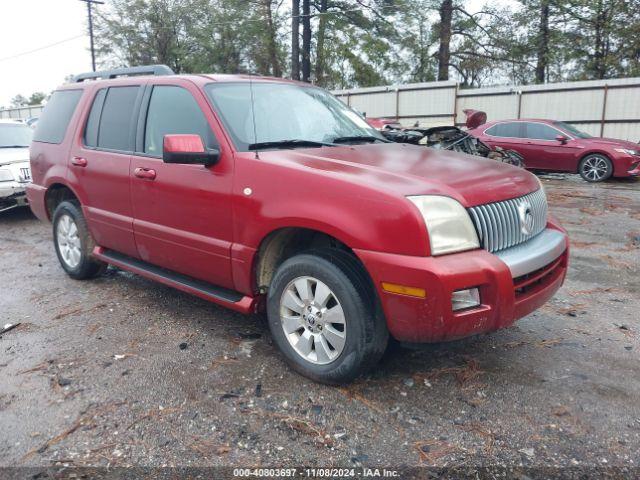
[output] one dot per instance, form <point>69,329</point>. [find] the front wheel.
<point>323,315</point>
<point>74,243</point>
<point>595,168</point>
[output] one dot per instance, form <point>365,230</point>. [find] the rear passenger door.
<point>183,218</point>
<point>99,165</point>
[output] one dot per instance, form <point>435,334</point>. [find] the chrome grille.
<point>499,225</point>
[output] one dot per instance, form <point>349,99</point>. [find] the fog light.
<point>463,299</point>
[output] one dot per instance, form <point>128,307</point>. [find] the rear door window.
<point>93,122</point>
<point>56,116</point>
<point>508,130</point>
<point>116,131</point>
<point>173,110</point>
<point>540,131</point>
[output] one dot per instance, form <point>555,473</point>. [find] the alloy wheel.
<point>595,168</point>
<point>313,320</point>
<point>69,243</point>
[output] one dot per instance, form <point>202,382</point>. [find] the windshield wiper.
<point>360,138</point>
<point>14,146</point>
<point>293,143</point>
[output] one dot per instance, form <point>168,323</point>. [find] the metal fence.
<point>605,108</point>
<point>21,113</point>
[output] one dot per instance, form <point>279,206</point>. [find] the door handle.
<point>147,173</point>
<point>79,161</point>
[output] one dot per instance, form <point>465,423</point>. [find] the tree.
<point>306,40</point>
<point>36,98</point>
<point>295,39</point>
<point>19,101</point>
<point>444,33</point>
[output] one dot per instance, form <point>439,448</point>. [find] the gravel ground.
<point>121,371</point>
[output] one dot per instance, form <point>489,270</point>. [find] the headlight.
<point>628,151</point>
<point>6,175</point>
<point>448,223</point>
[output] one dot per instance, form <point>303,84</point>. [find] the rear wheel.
<point>595,168</point>
<point>73,242</point>
<point>323,316</point>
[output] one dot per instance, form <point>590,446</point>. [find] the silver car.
<point>15,172</point>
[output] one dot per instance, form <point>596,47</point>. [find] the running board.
<point>220,295</point>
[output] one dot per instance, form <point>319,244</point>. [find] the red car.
<point>559,147</point>
<point>269,195</point>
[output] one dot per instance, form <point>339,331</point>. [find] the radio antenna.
<point>253,115</point>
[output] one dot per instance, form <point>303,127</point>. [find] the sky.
<point>27,25</point>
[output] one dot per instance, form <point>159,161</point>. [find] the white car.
<point>15,171</point>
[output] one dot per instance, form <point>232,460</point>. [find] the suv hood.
<point>406,169</point>
<point>14,155</point>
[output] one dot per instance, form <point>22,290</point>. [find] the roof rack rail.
<point>124,72</point>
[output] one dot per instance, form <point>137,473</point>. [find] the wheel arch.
<point>56,193</point>
<point>593,152</point>
<point>283,243</point>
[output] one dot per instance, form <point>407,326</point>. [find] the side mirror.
<point>188,149</point>
<point>562,139</point>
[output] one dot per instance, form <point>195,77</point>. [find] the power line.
<point>17,55</point>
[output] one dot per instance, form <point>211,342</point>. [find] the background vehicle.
<point>447,138</point>
<point>559,147</point>
<point>267,194</point>
<point>15,172</point>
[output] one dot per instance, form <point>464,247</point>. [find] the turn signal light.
<point>404,290</point>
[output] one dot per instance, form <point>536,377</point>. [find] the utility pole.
<point>90,15</point>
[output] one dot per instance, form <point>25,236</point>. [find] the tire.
<point>73,242</point>
<point>595,168</point>
<point>365,333</point>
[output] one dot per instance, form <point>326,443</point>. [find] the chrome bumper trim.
<point>534,254</point>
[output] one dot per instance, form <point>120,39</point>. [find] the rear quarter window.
<point>56,116</point>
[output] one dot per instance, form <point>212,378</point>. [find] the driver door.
<point>182,213</point>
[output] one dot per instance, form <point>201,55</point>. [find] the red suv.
<point>263,194</point>
<point>560,147</point>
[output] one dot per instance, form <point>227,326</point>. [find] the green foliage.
<point>373,42</point>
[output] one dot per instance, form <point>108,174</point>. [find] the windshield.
<point>572,130</point>
<point>285,112</point>
<point>15,135</point>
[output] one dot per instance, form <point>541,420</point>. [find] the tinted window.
<point>174,110</point>
<point>15,135</point>
<point>540,131</point>
<point>91,132</point>
<point>56,116</point>
<point>116,121</point>
<point>506,130</point>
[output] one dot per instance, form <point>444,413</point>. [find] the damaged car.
<point>15,172</point>
<point>448,138</point>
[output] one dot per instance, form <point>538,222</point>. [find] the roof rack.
<point>124,72</point>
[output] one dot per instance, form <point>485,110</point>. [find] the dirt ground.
<point>122,371</point>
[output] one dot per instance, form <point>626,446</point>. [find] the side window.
<point>174,110</point>
<point>116,120</point>
<point>540,131</point>
<point>509,130</point>
<point>52,127</point>
<point>91,130</point>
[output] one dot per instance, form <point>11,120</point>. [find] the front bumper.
<point>512,285</point>
<point>12,194</point>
